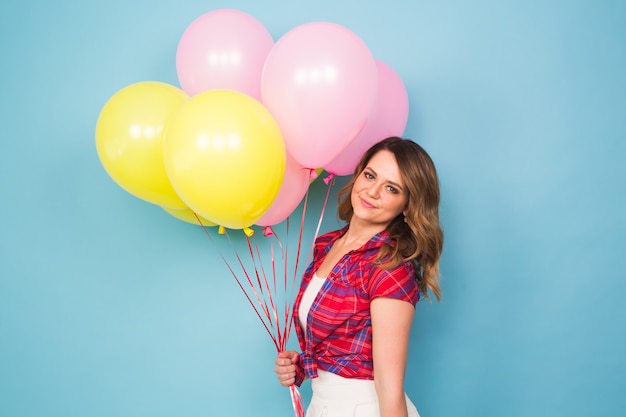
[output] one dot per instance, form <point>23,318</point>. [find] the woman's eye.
<point>368,176</point>
<point>392,189</point>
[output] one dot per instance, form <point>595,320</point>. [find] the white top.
<point>308,297</point>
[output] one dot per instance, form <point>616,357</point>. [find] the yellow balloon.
<point>129,140</point>
<point>187,215</point>
<point>225,157</point>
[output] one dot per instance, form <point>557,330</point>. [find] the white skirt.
<point>336,396</point>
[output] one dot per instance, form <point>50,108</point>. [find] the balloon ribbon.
<point>261,291</point>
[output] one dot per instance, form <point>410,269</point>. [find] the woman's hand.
<point>286,367</point>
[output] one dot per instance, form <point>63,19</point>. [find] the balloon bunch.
<point>252,122</point>
<point>237,142</point>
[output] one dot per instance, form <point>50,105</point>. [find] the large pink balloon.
<point>223,49</point>
<point>389,118</point>
<point>319,82</point>
<point>292,191</point>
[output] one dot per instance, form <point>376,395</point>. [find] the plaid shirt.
<point>339,329</point>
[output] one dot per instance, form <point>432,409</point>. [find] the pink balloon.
<point>389,118</point>
<point>223,49</point>
<point>292,191</point>
<point>319,82</point>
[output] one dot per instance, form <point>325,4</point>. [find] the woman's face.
<point>379,193</point>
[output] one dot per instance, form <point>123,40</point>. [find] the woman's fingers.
<point>285,367</point>
<point>287,379</point>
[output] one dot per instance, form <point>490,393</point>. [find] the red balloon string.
<point>296,401</point>
<point>260,287</point>
<point>266,283</point>
<point>239,283</point>
<point>330,181</point>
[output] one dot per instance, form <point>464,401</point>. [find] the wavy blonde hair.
<point>417,233</point>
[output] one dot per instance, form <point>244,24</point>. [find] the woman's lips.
<point>366,204</point>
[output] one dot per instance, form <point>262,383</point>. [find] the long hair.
<point>417,235</point>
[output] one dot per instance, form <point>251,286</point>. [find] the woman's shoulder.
<point>398,282</point>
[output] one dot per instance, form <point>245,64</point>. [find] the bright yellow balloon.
<point>225,157</point>
<point>187,215</point>
<point>129,140</point>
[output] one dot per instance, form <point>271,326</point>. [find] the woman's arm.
<point>391,328</point>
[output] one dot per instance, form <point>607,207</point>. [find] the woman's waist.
<point>329,386</point>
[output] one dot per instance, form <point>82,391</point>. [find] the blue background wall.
<point>110,307</point>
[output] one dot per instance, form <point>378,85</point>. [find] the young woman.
<point>357,298</point>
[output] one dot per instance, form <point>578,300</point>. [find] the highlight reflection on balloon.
<point>129,139</point>
<point>319,81</point>
<point>223,49</point>
<point>225,157</point>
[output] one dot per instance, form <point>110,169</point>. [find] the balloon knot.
<point>221,230</point>
<point>268,231</point>
<point>249,232</point>
<point>329,178</point>
<point>313,174</point>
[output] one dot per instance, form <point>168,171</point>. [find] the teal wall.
<point>111,307</point>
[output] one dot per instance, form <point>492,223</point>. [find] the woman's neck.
<point>358,234</point>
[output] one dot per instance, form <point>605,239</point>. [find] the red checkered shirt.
<point>339,327</point>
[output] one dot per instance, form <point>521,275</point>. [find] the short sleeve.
<point>398,283</point>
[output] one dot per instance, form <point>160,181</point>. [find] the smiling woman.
<point>110,306</point>
<point>357,298</point>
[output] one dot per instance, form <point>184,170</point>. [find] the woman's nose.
<point>373,189</point>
